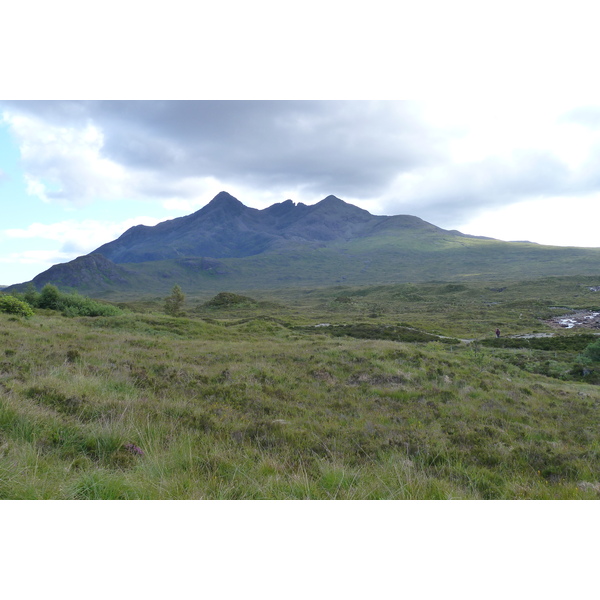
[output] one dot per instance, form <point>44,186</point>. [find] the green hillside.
<point>415,256</point>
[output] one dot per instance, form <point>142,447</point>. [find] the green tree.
<point>31,295</point>
<point>592,352</point>
<point>49,297</point>
<point>174,302</point>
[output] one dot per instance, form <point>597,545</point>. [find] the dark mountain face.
<point>225,228</point>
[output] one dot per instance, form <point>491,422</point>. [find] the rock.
<point>587,486</point>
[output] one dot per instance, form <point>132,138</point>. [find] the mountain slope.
<point>228,246</point>
<point>91,273</point>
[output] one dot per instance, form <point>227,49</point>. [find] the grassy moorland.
<point>329,393</point>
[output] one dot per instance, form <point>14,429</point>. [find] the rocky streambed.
<point>581,318</point>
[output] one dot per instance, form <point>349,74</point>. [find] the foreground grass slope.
<point>252,401</point>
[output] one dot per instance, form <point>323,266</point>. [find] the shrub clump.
<point>225,299</point>
<point>70,305</point>
<point>14,306</point>
<point>592,352</point>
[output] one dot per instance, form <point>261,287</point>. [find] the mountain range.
<point>225,228</point>
<point>227,245</point>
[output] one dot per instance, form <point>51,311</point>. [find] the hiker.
<point>497,333</point>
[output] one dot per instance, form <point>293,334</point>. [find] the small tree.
<point>174,302</point>
<point>49,297</point>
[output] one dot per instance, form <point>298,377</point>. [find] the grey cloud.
<point>354,148</point>
<point>454,194</point>
<point>324,146</point>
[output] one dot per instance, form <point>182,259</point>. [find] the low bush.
<point>14,306</point>
<point>73,305</point>
<point>70,305</point>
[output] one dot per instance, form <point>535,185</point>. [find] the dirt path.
<point>584,319</point>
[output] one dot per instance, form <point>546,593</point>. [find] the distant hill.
<point>229,246</point>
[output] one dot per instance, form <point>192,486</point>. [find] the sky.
<point>477,116</point>
<point>77,174</point>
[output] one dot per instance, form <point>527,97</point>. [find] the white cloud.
<point>36,188</point>
<point>64,162</point>
<point>79,237</point>
<point>36,257</point>
<point>541,220</point>
<point>180,204</point>
<point>56,243</point>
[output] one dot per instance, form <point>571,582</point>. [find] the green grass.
<point>249,400</point>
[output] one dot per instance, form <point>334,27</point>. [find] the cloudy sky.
<point>494,148</point>
<point>76,174</point>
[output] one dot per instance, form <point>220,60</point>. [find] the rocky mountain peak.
<point>224,201</point>
<point>331,199</point>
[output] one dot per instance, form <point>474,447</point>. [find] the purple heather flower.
<point>134,449</point>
